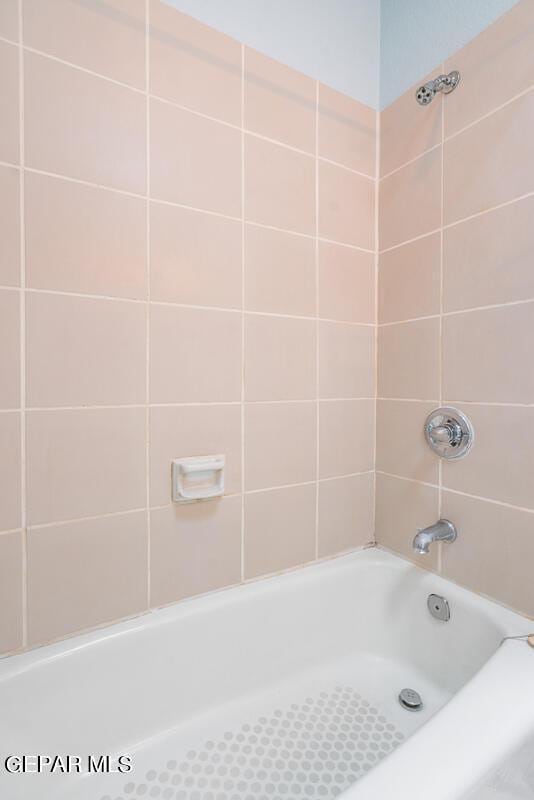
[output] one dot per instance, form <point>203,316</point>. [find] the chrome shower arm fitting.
<point>443,83</point>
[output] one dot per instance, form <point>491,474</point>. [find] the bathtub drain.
<point>410,700</point>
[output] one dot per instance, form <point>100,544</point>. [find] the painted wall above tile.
<point>372,50</point>
<point>334,41</point>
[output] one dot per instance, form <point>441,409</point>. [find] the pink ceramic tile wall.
<point>456,312</point>
<point>187,267</point>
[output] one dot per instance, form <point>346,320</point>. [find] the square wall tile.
<point>495,66</point>
<point>279,186</point>
<point>504,335</point>
<point>279,272</point>
<point>279,529</point>
<point>82,126</point>
<point>195,258</point>
<point>280,358</point>
<point>9,103</point>
<point>402,507</point>
<point>346,283</point>
<point>195,355</point>
<point>9,20</point>
<point>83,574</point>
<point>194,548</point>
<point>346,437</point>
<point>347,131</point>
<point>409,280</point>
<point>408,360</point>
<point>346,360</point>
<point>487,260</point>
<point>185,431</point>
<point>10,516</point>
<point>406,130</point>
<point>82,463</point>
<point>490,162</point>
<point>84,239</point>
<point>346,206</point>
<point>279,101</point>
<point>9,348</point>
<point>401,447</point>
<point>410,200</point>
<point>500,465</point>
<point>9,227</point>
<point>194,161</point>
<point>10,591</point>
<point>81,351</point>
<point>280,444</point>
<point>194,65</point>
<point>493,555</point>
<point>346,511</point>
<point>109,39</point>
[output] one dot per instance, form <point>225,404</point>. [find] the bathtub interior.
<point>283,688</point>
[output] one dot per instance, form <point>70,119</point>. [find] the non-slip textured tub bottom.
<point>312,749</point>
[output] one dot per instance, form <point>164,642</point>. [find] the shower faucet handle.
<point>448,432</point>
<point>445,434</point>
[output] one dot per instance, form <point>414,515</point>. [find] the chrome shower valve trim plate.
<point>449,433</point>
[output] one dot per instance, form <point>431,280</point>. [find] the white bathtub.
<point>284,688</point>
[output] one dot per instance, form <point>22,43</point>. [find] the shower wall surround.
<point>187,267</point>
<point>456,313</point>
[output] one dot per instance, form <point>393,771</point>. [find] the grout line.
<point>457,312</point>
<point>168,303</point>
<point>320,400</point>
<point>456,402</point>
<point>56,523</point>
<point>10,41</point>
<point>10,165</point>
<point>409,480</point>
<point>490,404</point>
<point>410,161</point>
<point>144,509</point>
<point>10,531</point>
<point>456,222</point>
<point>105,515</point>
<point>376,342</point>
<point>307,483</point>
<point>210,212</point>
<point>346,244</point>
<point>50,57</point>
<point>407,321</point>
<point>324,160</point>
<point>450,137</point>
<point>440,333</point>
<point>243,295</point>
<point>22,232</point>
<point>489,210</point>
<point>489,307</point>
<point>450,490</point>
<point>173,104</point>
<point>133,406</point>
<point>409,241</point>
<point>317,306</point>
<point>508,102</point>
<point>461,221</point>
<point>148,304</point>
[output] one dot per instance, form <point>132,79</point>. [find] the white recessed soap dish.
<point>197,478</point>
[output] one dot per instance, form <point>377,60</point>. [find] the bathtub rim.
<point>511,622</point>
